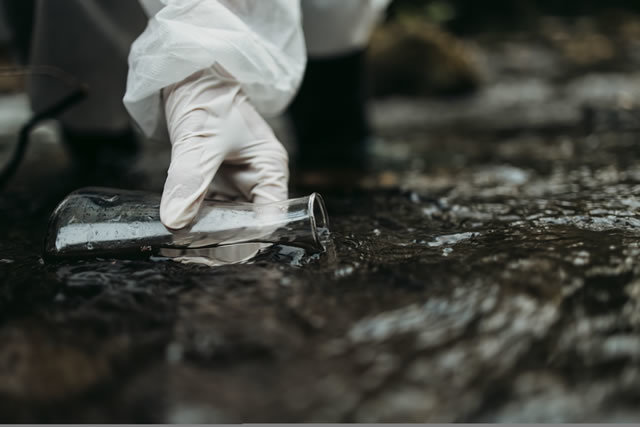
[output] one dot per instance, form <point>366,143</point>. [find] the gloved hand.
<point>218,136</point>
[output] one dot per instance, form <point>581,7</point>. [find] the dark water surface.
<point>486,271</point>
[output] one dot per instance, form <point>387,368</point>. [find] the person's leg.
<point>88,40</point>
<point>329,113</point>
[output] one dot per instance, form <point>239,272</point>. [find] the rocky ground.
<point>486,270</point>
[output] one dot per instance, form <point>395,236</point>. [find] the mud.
<point>486,270</point>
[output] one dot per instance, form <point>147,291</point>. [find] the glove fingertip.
<point>178,213</point>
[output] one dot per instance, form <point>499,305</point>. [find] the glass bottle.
<point>111,222</point>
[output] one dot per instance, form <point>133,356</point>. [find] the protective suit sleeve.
<point>337,27</point>
<point>260,43</point>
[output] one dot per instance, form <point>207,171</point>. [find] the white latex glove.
<point>216,133</point>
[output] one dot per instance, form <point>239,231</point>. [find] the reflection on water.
<point>215,257</point>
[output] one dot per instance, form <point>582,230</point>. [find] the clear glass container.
<point>111,222</point>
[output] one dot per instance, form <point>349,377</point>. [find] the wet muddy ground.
<point>487,270</point>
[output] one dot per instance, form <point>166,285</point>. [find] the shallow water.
<point>494,278</point>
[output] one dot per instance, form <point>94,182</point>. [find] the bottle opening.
<point>319,219</point>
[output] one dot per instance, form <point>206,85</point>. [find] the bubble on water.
<point>343,272</point>
<point>430,211</point>
<point>285,281</point>
<point>175,353</point>
<point>581,258</point>
<point>451,239</point>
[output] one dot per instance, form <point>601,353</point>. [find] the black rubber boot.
<point>100,158</point>
<point>329,115</point>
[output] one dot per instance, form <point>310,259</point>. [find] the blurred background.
<point>443,64</point>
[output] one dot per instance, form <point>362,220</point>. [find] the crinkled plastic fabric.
<point>335,27</point>
<point>259,42</point>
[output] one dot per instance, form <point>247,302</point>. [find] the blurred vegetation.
<point>468,16</point>
<point>413,57</point>
<point>439,47</point>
